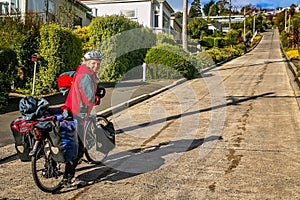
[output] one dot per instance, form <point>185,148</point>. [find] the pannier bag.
<point>32,108</point>
<point>64,141</point>
<point>65,81</point>
<point>105,137</point>
<point>23,140</point>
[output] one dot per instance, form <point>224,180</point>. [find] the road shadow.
<point>13,105</point>
<point>233,101</point>
<point>126,164</point>
<point>252,65</point>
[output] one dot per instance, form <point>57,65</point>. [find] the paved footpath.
<point>122,92</point>
<point>232,134</point>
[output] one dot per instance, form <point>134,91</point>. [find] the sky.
<point>178,4</point>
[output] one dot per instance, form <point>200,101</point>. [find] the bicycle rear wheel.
<point>90,142</point>
<point>47,173</point>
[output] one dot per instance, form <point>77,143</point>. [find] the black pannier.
<point>23,138</point>
<point>105,137</point>
<point>64,141</point>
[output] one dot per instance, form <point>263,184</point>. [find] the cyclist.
<point>80,101</point>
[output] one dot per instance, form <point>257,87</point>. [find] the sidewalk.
<point>141,91</point>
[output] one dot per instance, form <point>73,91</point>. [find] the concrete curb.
<point>9,150</point>
<point>291,66</point>
<point>118,108</point>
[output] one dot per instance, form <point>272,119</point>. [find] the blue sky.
<point>178,4</point>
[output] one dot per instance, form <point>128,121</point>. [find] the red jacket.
<point>81,98</point>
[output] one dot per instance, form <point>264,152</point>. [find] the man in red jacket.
<point>80,101</point>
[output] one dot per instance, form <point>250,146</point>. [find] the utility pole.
<point>47,11</point>
<point>254,16</point>
<point>244,24</point>
<point>184,25</point>
<point>289,25</point>
<point>285,17</point>
<point>230,14</point>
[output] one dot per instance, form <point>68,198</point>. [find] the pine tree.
<point>207,6</point>
<point>195,10</point>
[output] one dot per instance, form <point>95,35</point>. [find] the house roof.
<point>81,5</point>
<point>113,1</point>
<point>127,1</point>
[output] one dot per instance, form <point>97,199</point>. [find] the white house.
<point>155,14</point>
<point>63,11</point>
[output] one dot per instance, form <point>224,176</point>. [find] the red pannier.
<point>24,140</point>
<point>64,82</point>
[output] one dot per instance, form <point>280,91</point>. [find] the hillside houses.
<point>156,14</point>
<point>66,12</point>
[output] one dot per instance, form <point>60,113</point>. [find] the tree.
<point>222,7</point>
<point>179,15</point>
<point>207,6</point>
<point>296,30</point>
<point>213,10</point>
<point>195,10</point>
<point>197,28</point>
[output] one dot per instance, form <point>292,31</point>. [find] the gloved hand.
<point>97,100</point>
<point>100,92</point>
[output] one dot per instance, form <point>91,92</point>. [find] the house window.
<point>128,13</point>
<point>77,21</point>
<point>166,22</point>
<point>46,8</point>
<point>51,7</point>
<point>41,6</point>
<point>156,17</point>
<point>4,8</point>
<point>36,6</point>
<point>10,7</point>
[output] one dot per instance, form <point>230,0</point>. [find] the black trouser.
<point>71,166</point>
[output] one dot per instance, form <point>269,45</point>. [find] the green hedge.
<point>210,41</point>
<point>59,51</point>
<point>122,42</point>
<point>223,54</point>
<point>164,56</point>
<point>22,38</point>
<point>8,72</point>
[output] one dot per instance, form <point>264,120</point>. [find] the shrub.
<point>232,36</point>
<point>23,39</point>
<point>122,42</point>
<point>163,57</point>
<point>102,28</point>
<point>59,51</point>
<point>218,54</point>
<point>284,39</point>
<point>165,38</point>
<point>208,41</point>
<point>293,54</point>
<point>220,42</point>
<point>8,71</point>
<point>83,34</point>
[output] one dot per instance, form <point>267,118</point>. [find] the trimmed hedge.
<point>59,51</point>
<point>223,54</point>
<point>8,72</point>
<point>210,41</point>
<point>174,57</point>
<point>122,42</point>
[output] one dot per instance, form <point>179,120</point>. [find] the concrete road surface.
<point>232,134</point>
<point>115,94</point>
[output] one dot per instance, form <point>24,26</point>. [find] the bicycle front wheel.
<point>90,142</point>
<point>47,173</point>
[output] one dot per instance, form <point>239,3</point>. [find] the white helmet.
<point>93,55</point>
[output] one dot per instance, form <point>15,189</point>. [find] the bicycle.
<point>47,172</point>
